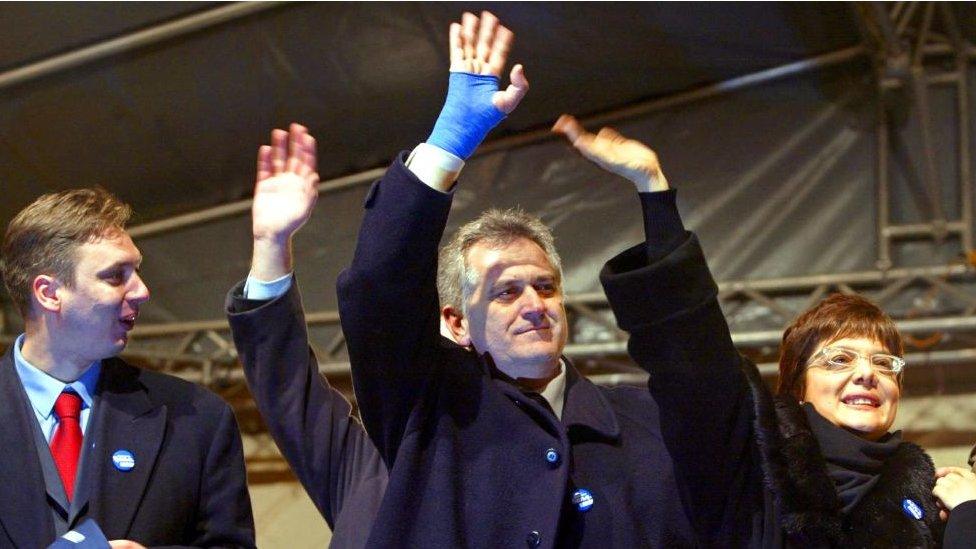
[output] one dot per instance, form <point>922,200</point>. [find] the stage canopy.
<point>816,147</point>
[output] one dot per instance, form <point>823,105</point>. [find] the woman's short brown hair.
<point>43,237</point>
<point>836,317</point>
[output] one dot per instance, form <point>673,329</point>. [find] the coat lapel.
<point>27,517</point>
<point>126,419</point>
<point>586,410</point>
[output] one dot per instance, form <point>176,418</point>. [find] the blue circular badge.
<point>123,460</point>
<point>912,509</point>
<point>583,500</point>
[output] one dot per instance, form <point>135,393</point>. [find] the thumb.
<point>510,97</point>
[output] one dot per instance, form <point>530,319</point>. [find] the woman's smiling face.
<point>863,398</point>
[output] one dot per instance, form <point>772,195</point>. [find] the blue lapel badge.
<point>912,509</point>
<point>123,460</point>
<point>583,499</point>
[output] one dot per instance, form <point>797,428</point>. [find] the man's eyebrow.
<point>504,282</point>
<point>122,264</point>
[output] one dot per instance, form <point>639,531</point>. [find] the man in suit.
<point>154,460</point>
<point>311,422</point>
<point>492,437</point>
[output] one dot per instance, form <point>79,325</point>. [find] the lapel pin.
<point>583,500</point>
<point>912,509</point>
<point>123,460</point>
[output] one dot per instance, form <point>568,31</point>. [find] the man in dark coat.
<point>493,439</point>
<point>310,421</point>
<point>154,460</point>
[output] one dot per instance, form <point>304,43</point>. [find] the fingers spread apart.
<point>479,45</point>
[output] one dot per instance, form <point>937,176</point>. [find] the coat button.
<point>552,457</point>
<point>534,539</point>
<point>583,500</point>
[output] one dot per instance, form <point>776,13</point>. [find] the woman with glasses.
<point>829,443</point>
<point>814,465</point>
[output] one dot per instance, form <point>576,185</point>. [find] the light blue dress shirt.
<point>43,390</point>
<point>259,290</point>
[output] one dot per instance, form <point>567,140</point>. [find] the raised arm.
<point>663,294</point>
<point>388,300</point>
<point>284,196</point>
<point>616,154</point>
<point>311,422</point>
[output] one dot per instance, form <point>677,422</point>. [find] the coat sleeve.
<point>388,302</point>
<point>311,422</point>
<point>667,300</point>
<point>224,517</point>
<point>960,532</point>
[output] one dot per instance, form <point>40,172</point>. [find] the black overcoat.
<point>311,422</point>
<point>468,454</point>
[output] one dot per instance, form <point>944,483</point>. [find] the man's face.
<point>101,306</point>
<point>862,399</point>
<point>516,313</point>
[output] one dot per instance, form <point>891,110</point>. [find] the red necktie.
<point>66,442</point>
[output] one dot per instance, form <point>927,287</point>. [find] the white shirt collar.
<point>555,391</point>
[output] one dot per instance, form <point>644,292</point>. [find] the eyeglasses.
<point>840,359</point>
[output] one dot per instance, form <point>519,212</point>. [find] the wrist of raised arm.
<point>434,166</point>
<point>271,258</point>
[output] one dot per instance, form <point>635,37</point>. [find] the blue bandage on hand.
<point>468,114</point>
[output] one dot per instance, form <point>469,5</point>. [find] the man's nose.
<point>533,306</point>
<point>139,293</point>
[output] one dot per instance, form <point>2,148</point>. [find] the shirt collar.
<point>555,391</point>
<point>43,390</point>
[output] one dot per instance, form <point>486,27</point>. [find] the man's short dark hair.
<point>43,237</point>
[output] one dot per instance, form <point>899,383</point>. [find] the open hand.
<point>285,190</point>
<point>481,46</point>
<point>615,153</point>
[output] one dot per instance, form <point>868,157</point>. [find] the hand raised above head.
<point>615,153</point>
<point>285,189</point>
<point>479,50</point>
<point>481,46</point>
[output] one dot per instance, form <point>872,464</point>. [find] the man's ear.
<point>44,289</point>
<point>453,320</point>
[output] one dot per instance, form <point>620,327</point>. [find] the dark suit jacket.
<point>188,486</point>
<point>311,422</point>
<point>469,453</point>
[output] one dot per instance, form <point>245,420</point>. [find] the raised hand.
<point>479,50</point>
<point>284,195</point>
<point>954,485</point>
<point>285,191</point>
<point>615,153</point>
<point>481,46</point>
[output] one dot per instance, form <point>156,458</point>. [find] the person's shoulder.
<point>626,396</point>
<point>161,388</point>
<point>631,404</point>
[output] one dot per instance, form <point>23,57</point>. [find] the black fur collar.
<point>806,502</point>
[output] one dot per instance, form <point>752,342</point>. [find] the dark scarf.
<point>806,503</point>
<point>853,463</point>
